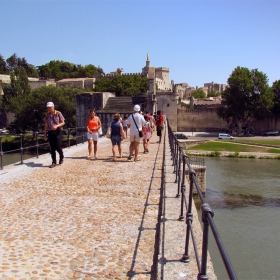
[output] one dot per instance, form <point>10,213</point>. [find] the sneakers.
<point>53,165</point>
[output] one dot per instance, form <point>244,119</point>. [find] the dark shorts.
<point>159,132</point>
<point>116,140</point>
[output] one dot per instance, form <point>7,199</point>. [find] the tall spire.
<point>148,57</point>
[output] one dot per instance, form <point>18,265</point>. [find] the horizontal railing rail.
<point>182,163</point>
<point>71,135</point>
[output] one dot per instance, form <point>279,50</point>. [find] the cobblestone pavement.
<point>85,219</point>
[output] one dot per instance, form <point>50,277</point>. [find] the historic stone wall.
<point>199,120</point>
<point>270,123</point>
<point>206,119</point>
<point>89,100</point>
<point>167,103</point>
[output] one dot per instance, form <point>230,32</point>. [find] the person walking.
<point>124,123</point>
<point>159,124</point>
<point>93,124</point>
<point>117,134</point>
<point>147,134</point>
<point>54,121</point>
<point>135,122</point>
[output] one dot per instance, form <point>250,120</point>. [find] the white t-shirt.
<point>139,119</point>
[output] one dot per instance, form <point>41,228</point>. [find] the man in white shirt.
<point>135,122</point>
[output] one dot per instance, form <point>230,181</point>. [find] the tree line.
<point>28,106</point>
<point>55,69</point>
<point>248,96</point>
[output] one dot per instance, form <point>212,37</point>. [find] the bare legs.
<point>134,146</point>
<point>95,149</point>
<point>114,151</point>
<point>89,148</point>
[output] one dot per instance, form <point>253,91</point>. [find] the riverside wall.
<point>206,119</point>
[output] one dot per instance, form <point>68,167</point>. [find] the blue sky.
<point>199,41</point>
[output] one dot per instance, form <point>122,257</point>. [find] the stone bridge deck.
<point>93,219</point>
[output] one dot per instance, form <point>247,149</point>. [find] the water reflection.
<point>229,200</point>
<point>245,195</point>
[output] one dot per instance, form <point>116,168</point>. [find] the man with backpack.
<point>54,121</point>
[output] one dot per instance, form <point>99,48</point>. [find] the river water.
<point>245,197</point>
<point>11,158</point>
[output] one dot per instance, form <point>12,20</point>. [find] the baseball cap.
<point>136,108</point>
<point>50,104</point>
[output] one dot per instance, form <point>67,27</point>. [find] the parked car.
<point>271,133</point>
<point>181,136</point>
<point>225,136</point>
<point>4,131</point>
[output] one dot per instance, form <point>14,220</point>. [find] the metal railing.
<point>70,136</point>
<point>181,163</point>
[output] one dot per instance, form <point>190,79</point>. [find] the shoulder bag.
<point>140,132</point>
<point>108,133</point>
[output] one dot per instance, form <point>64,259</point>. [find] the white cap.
<point>50,104</point>
<point>136,108</point>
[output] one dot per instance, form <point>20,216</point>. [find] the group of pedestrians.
<point>140,126</point>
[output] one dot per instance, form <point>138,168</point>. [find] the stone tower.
<point>149,72</point>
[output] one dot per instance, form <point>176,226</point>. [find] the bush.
<point>235,155</point>
<point>215,154</point>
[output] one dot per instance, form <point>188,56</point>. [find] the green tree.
<point>3,66</point>
<point>213,93</point>
<point>30,110</point>
<point>12,62</point>
<point>276,98</point>
<point>19,87</point>
<point>247,97</point>
<point>198,93</point>
<point>123,85</point>
<point>57,69</point>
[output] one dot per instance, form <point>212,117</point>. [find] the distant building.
<point>41,83</point>
<point>215,87</point>
<point>85,83</point>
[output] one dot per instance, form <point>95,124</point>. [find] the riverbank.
<point>233,155</point>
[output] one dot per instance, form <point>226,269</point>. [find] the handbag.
<point>108,133</point>
<point>100,131</point>
<point>140,131</point>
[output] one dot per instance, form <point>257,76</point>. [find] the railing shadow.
<point>131,273</point>
<point>182,163</point>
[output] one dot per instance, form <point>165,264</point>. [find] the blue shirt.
<point>115,128</point>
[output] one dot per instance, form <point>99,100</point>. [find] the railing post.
<point>174,154</point>
<point>21,148</point>
<point>189,217</point>
<point>178,174</point>
<point>172,145</point>
<point>37,144</point>
<point>183,189</point>
<point>1,152</point>
<point>205,209</point>
<point>68,129</point>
